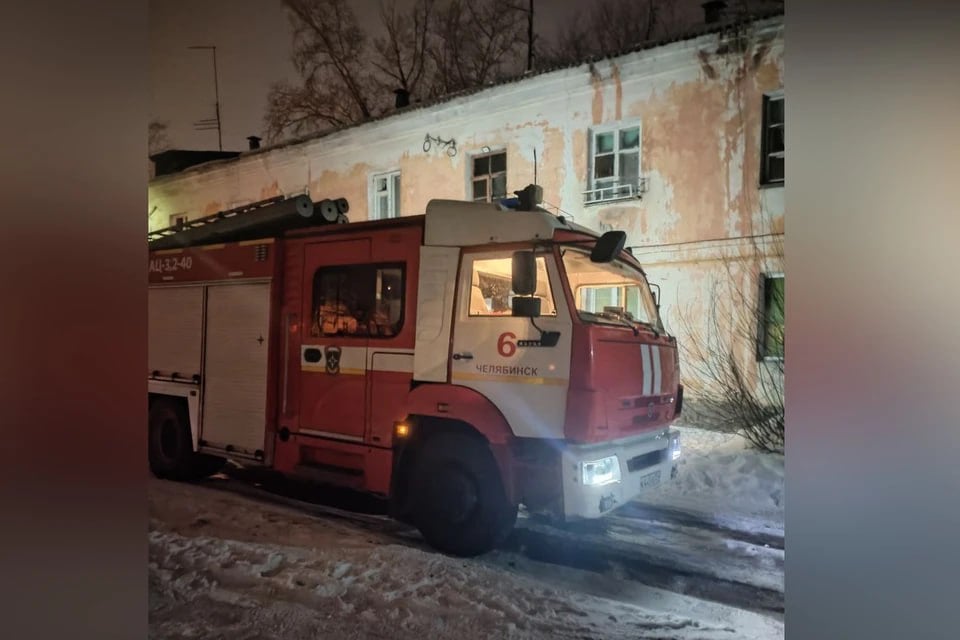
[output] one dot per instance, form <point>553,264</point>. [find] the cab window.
<point>490,287</point>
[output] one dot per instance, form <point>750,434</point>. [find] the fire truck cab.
<point>459,363</point>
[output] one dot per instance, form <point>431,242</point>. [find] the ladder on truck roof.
<point>256,220</point>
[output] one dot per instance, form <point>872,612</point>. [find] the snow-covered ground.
<point>224,565</point>
<point>722,478</point>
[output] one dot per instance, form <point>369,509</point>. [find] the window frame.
<point>374,268</point>
<point>766,127</point>
<point>393,191</point>
<point>762,353</point>
<point>616,184</point>
<point>483,257</point>
<point>489,175</point>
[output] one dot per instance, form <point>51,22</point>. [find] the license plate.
<point>650,480</point>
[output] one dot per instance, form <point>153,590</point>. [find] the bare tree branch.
<point>609,27</point>
<point>330,55</point>
<point>402,54</point>
<point>473,43</point>
<point>731,386</point>
<point>441,46</point>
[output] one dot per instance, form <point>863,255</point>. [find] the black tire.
<point>170,444</point>
<point>459,503</point>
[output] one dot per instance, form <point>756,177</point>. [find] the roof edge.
<point>692,34</point>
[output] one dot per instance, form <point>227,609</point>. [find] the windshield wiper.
<point>626,323</point>
<point>620,320</point>
<point>623,322</point>
<point>650,326</point>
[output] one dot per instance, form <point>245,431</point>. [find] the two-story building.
<point>680,144</point>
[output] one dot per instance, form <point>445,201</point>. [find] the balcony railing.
<point>615,190</point>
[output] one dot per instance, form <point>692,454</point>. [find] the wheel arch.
<point>423,428</point>
<point>188,394</point>
<point>428,477</point>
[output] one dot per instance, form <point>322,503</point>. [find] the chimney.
<point>254,142</point>
<point>403,98</point>
<point>713,10</point>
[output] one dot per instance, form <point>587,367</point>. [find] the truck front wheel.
<point>459,503</point>
<point>170,447</point>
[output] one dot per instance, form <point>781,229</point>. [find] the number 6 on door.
<point>505,345</point>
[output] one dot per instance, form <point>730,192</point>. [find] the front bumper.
<point>645,462</point>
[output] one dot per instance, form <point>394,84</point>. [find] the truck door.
<point>235,365</point>
<point>333,352</point>
<point>500,356</point>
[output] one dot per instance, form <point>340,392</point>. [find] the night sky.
<point>253,40</point>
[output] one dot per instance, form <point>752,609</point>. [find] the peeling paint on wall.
<point>596,81</point>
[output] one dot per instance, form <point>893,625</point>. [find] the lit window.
<point>491,288</point>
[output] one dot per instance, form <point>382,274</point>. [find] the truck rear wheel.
<point>459,503</point>
<point>170,445</point>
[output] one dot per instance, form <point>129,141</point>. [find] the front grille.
<point>641,402</point>
<point>646,460</point>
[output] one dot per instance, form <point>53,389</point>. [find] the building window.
<point>178,220</point>
<point>771,164</point>
<point>363,300</point>
<point>614,164</point>
<point>491,292</point>
<point>772,316</point>
<point>490,177</point>
<point>385,196</point>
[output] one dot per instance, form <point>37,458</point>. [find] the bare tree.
<point>733,348</point>
<point>402,54</point>
<point>330,55</point>
<point>439,47</point>
<point>476,42</point>
<point>610,27</point>
<point>157,139</point>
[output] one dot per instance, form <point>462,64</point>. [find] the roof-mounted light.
<point>527,199</point>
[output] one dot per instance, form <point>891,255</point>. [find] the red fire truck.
<point>460,363</point>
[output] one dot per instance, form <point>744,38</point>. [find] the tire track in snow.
<point>635,562</point>
<point>582,550</point>
<point>667,515</point>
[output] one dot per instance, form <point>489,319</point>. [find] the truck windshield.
<point>609,293</point>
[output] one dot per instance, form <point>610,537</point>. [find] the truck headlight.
<point>675,448</point>
<point>599,472</point>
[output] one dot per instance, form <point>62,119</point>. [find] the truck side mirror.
<point>609,246</point>
<point>526,307</point>
<point>524,273</point>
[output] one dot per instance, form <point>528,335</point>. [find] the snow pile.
<point>720,476</point>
